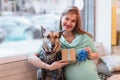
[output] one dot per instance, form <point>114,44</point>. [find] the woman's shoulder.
<point>86,35</point>
<point>83,35</point>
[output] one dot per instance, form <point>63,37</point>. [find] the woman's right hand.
<point>56,65</point>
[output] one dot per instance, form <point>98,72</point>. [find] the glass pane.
<point>20,22</point>
<point>89,16</point>
<point>21,19</point>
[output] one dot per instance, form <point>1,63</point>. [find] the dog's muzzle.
<point>51,47</point>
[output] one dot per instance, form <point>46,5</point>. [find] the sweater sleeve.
<point>91,44</point>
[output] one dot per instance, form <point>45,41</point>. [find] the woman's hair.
<point>78,27</point>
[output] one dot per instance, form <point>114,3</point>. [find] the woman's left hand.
<point>88,49</point>
<point>91,55</point>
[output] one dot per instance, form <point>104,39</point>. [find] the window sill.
<point>14,58</point>
<point>16,51</point>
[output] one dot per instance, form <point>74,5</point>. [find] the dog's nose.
<point>53,45</point>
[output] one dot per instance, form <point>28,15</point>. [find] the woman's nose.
<point>68,22</point>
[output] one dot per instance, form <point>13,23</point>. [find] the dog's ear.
<point>61,32</point>
<point>42,31</point>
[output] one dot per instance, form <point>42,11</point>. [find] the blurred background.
<point>21,19</point>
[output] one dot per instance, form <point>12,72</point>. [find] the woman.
<point>74,37</point>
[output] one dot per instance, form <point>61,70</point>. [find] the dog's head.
<point>51,42</point>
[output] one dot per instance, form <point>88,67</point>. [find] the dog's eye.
<point>56,37</point>
<point>48,36</point>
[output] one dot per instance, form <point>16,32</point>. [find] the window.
<point>89,15</point>
<point>20,20</point>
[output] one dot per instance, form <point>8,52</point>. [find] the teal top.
<point>84,70</point>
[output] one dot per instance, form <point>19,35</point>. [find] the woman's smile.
<point>67,26</point>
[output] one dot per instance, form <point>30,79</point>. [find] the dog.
<point>51,52</point>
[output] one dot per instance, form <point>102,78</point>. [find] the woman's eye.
<point>73,21</point>
<point>67,19</point>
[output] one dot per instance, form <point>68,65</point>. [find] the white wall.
<point>103,23</point>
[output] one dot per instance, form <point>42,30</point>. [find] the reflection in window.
<point>21,19</point>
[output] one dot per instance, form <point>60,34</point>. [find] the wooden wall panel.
<point>18,70</point>
<point>20,76</point>
<point>12,65</point>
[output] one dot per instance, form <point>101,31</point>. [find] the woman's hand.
<point>91,55</point>
<point>89,51</point>
<point>56,65</point>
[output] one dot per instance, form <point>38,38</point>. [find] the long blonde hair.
<point>78,27</point>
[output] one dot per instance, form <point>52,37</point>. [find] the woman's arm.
<point>36,61</point>
<point>39,63</point>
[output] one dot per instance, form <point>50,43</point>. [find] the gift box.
<point>69,55</point>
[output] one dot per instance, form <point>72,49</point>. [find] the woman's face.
<point>69,22</point>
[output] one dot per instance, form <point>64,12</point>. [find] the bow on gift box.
<point>82,55</point>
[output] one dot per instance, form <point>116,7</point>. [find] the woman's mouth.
<point>68,26</point>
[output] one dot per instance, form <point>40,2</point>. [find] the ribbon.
<point>69,55</point>
<point>82,55</point>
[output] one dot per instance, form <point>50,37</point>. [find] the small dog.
<point>51,52</point>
